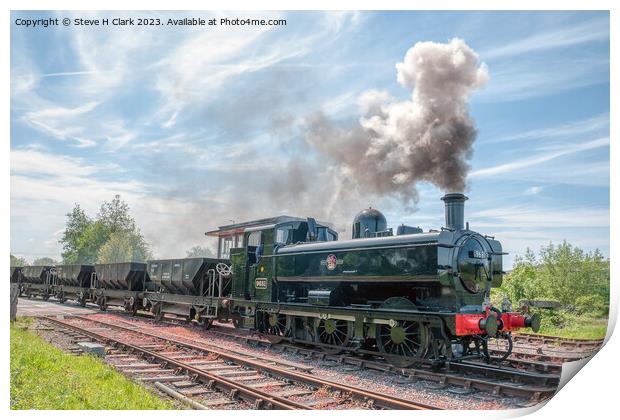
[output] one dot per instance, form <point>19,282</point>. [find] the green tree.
<point>45,261</point>
<point>72,239</point>
<point>124,246</point>
<point>91,241</point>
<point>199,251</point>
<point>564,273</point>
<point>18,261</point>
<point>84,239</point>
<point>114,215</point>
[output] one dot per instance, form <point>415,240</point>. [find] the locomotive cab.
<point>250,246</point>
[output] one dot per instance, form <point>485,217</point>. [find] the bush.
<point>566,274</point>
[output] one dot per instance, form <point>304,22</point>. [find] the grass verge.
<point>45,378</point>
<point>571,326</point>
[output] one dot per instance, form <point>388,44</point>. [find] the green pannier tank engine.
<point>409,297</point>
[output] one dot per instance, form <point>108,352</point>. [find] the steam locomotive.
<point>411,296</point>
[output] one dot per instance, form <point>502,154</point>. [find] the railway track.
<point>571,343</point>
<point>260,383</point>
<point>519,363</point>
<point>526,374</point>
<point>531,360</point>
<point>549,351</point>
<point>533,384</point>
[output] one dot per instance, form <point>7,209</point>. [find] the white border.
<point>593,393</point>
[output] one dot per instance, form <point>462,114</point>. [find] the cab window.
<point>225,245</point>
<point>325,235</point>
<point>254,238</point>
<point>283,235</point>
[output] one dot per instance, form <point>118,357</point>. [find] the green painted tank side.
<point>385,264</point>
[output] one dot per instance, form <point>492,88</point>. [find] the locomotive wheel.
<point>404,339</point>
<point>333,332</point>
<point>274,326</point>
<point>46,296</point>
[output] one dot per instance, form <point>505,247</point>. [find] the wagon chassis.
<point>36,289</point>
<point>79,294</point>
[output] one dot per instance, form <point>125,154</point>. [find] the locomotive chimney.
<point>455,210</point>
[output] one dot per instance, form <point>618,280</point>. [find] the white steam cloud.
<point>396,144</point>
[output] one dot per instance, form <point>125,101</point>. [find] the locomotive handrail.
<point>378,246</point>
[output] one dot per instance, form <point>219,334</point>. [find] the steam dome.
<point>368,222</point>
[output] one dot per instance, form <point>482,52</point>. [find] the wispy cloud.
<point>37,162</point>
<point>69,73</point>
<point>582,127</point>
<point>537,160</point>
<point>60,122</point>
<point>61,112</point>
<point>594,30</point>
<point>108,58</point>
<point>340,105</point>
<point>23,82</point>
<point>521,79</point>
<point>537,216</point>
<point>118,134</point>
<point>535,190</point>
<point>198,70</point>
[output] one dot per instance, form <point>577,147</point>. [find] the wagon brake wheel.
<point>223,269</point>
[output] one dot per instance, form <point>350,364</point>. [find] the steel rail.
<point>380,400</point>
<point>565,342</point>
<point>447,378</point>
<point>550,374</point>
<point>260,398</point>
<point>542,366</point>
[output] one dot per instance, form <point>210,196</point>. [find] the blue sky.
<point>198,126</point>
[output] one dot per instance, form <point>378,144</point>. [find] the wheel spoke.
<point>415,343</point>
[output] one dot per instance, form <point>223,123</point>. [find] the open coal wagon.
<point>190,287</point>
<point>73,282</point>
<point>119,284</point>
<point>37,280</point>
